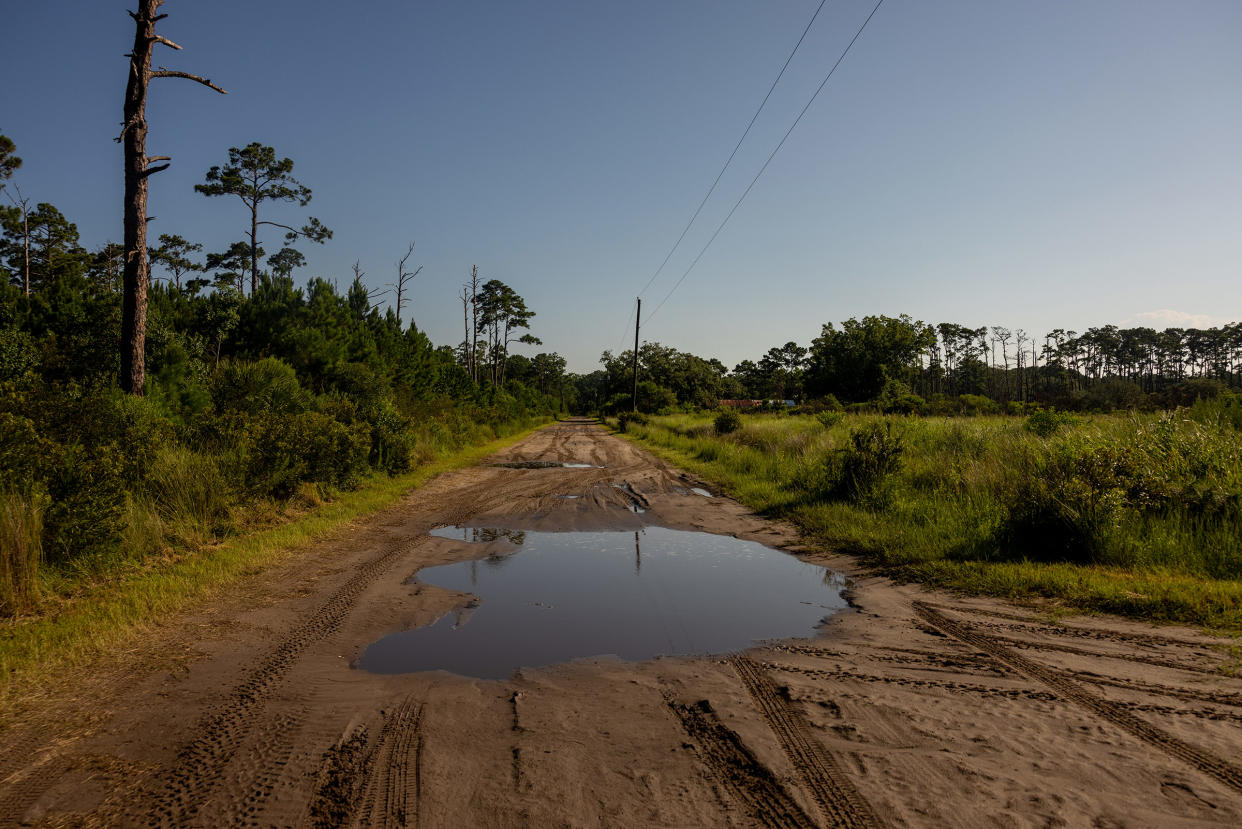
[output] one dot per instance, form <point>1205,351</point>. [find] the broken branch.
<point>169,73</point>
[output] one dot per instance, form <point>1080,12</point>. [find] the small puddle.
<point>634,595</point>
<point>546,465</point>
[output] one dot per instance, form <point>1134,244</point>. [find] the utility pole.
<point>637,318</point>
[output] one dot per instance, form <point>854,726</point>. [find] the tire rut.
<point>385,799</point>
<point>1155,661</point>
<point>747,780</point>
<point>838,800</point>
<point>1208,763</point>
<point>200,762</point>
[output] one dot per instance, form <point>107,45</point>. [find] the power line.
<point>729,161</point>
<point>742,198</point>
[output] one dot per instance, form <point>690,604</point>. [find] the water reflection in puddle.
<point>635,595</point>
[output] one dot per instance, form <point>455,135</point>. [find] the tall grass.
<point>21,550</point>
<point>1139,514</point>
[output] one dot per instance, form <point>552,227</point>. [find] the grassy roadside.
<point>35,651</point>
<point>959,511</point>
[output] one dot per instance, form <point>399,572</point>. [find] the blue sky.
<point>1034,165</point>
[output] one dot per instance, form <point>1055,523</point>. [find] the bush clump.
<point>860,472</point>
<point>830,418</point>
<point>1065,505</point>
<point>727,422</point>
<point>1047,422</point>
<point>624,419</point>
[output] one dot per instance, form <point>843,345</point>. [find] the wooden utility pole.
<point>137,168</point>
<point>637,319</point>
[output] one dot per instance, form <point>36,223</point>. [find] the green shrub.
<point>391,443</point>
<point>624,419</point>
<point>1065,505</point>
<point>84,516</point>
<point>727,421</point>
<point>860,472</point>
<point>897,398</point>
<point>1221,410</point>
<point>188,490</point>
<point>1047,422</point>
<point>977,404</point>
<point>258,388</point>
<point>830,418</point>
<point>308,446</point>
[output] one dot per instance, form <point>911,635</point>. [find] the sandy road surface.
<point>914,709</point>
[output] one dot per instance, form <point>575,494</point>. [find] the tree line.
<point>903,364</point>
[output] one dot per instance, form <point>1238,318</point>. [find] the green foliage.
<point>21,550</point>
<point>255,175</point>
<point>1137,514</point>
<point>676,378</point>
<point>1221,410</point>
<point>268,386</point>
<point>896,398</point>
<point>830,418</point>
<point>189,492</point>
<point>1079,500</point>
<point>860,471</point>
<point>1047,422</point>
<point>625,418</point>
<point>856,360</point>
<point>287,448</point>
<point>1064,506</point>
<point>977,404</point>
<point>727,421</point>
<point>19,356</point>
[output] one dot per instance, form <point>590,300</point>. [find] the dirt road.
<point>912,709</point>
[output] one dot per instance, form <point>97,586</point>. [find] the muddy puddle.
<point>555,597</point>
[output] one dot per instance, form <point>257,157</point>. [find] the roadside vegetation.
<point>259,399</point>
<point>81,619</point>
<point>1134,513</point>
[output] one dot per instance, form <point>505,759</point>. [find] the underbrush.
<point>100,606</point>
<point>95,482</point>
<point>1134,514</point>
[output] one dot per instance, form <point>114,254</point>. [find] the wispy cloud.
<point>1168,318</point>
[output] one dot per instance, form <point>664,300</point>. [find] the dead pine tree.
<point>404,276</point>
<point>138,166</point>
<point>467,352</point>
<point>474,323</point>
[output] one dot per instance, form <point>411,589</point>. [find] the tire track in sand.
<point>386,792</point>
<point>747,780</point>
<point>200,763</point>
<point>365,783</point>
<point>1205,761</point>
<point>838,800</point>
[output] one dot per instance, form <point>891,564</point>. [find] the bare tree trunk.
<point>134,302</point>
<point>254,247</point>
<point>465,330</point>
<point>474,307</point>
<point>137,169</point>
<point>26,239</point>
